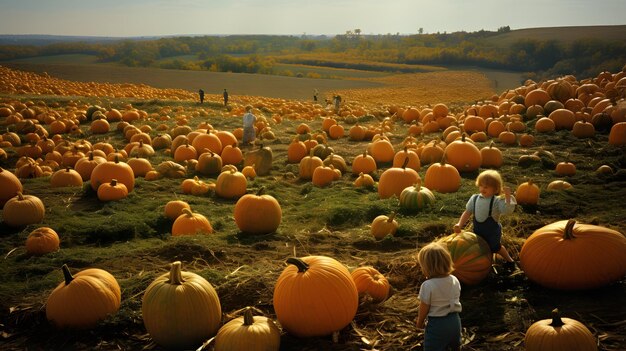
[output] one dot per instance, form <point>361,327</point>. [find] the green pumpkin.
<point>471,256</point>
<point>416,197</point>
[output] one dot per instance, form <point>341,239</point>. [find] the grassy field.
<point>565,34</point>
<point>131,239</point>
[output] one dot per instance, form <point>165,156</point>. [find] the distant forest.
<point>259,53</point>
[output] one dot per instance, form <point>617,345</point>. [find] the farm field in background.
<point>132,240</point>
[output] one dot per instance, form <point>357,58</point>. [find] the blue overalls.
<point>489,229</point>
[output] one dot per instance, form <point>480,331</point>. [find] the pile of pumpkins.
<point>175,298</point>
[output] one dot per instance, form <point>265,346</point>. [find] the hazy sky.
<point>159,17</point>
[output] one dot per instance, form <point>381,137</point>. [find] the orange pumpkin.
<point>41,241</point>
<point>105,172</point>
<point>10,185</point>
<point>189,223</point>
<point>65,178</point>
<point>315,296</point>
<point>369,281</point>
<point>257,213</point>
<point>383,226</point>
<point>82,300</point>
<point>22,210</point>
<point>442,177</point>
<point>527,193</point>
<point>363,163</point>
<point>231,185</point>
<point>396,179</point>
<point>112,191</point>
<point>173,209</point>
<point>570,256</point>
<point>559,334</point>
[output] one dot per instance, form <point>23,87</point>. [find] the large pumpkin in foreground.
<point>570,256</point>
<point>315,296</point>
<point>181,309</point>
<point>559,334</point>
<point>471,256</point>
<point>83,299</point>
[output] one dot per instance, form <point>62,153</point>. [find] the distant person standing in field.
<point>248,127</point>
<point>315,92</point>
<point>337,102</point>
<point>201,93</point>
<point>225,97</point>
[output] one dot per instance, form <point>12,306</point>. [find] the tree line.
<point>259,53</point>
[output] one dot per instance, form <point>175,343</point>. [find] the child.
<point>201,93</point>
<point>248,126</point>
<point>225,94</point>
<point>487,208</point>
<point>439,300</point>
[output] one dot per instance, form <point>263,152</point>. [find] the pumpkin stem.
<point>67,274</point>
<point>568,233</point>
<point>20,196</point>
<point>260,191</point>
<point>556,319</point>
<point>302,266</point>
<point>392,215</point>
<point>248,318</point>
<point>113,182</point>
<point>406,162</point>
<point>176,275</point>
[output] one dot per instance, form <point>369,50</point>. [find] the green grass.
<point>325,72</point>
<point>131,239</point>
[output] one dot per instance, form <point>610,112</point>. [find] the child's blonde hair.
<point>435,260</point>
<point>248,108</point>
<point>490,178</point>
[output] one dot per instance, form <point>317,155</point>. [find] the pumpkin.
<point>10,185</point>
<point>369,281</point>
<point>185,152</point>
<point>527,193</point>
<point>414,160</point>
<point>491,156</point>
<point>189,223</point>
<point>416,197</point>
<point>85,165</point>
<point>471,256</point>
<point>463,155</point>
<point>231,185</point>
<point>250,333</point>
<point>105,172</point>
<point>208,141</point>
<point>563,118</point>
<point>174,208</point>
<point>559,334</point>
<point>323,176</point>
<point>396,179</point>
<point>383,226</point>
<point>363,163</point>
<point>296,151</point>
<point>559,185</point>
<point>257,213</point>
<point>337,162</point>
<point>442,177</point>
<point>231,155</point>
<point>565,168</point>
<point>209,163</point>
<point>65,178</point>
<point>140,166</point>
<point>308,165</point>
<point>82,300</point>
<point>41,241</point>
<point>249,172</point>
<point>170,169</point>
<point>569,256</point>
<point>617,135</point>
<point>22,210</point>
<point>112,191</point>
<point>181,309</point>
<point>315,296</point>
<point>364,180</point>
<point>583,129</point>
<point>382,151</point>
<point>261,159</point>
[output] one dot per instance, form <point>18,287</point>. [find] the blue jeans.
<point>443,333</point>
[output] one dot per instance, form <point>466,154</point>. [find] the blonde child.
<point>439,300</point>
<point>486,208</point>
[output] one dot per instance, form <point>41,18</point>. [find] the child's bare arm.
<point>461,223</point>
<point>421,317</point>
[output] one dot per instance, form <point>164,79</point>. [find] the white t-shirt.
<point>482,207</point>
<point>442,294</point>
